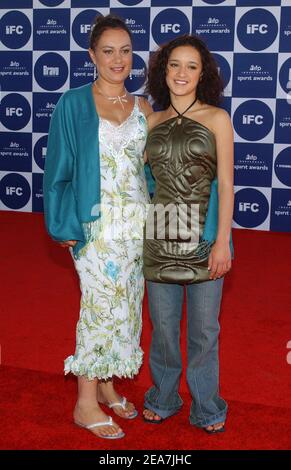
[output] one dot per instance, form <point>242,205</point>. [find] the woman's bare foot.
<point>151,416</point>
<point>212,429</point>
<point>87,415</point>
<point>107,395</point>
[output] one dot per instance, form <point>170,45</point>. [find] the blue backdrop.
<point>44,52</point>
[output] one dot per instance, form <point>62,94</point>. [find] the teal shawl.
<point>72,168</point>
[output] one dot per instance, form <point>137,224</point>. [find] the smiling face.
<point>184,70</point>
<point>112,55</point>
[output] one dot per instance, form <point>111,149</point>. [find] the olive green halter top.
<point>182,156</point>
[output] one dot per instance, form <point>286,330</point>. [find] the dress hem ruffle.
<point>104,370</point>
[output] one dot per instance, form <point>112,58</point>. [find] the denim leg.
<point>203,305</point>
<point>165,305</point>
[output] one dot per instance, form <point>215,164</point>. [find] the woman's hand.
<point>219,262</point>
<point>68,244</point>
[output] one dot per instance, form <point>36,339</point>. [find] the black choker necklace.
<point>180,115</point>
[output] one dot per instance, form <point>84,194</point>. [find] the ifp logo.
<point>15,151</point>
<point>51,3</point>
<point>39,151</point>
<point>82,26</point>
<point>255,75</point>
<point>253,120</point>
<point>16,70</point>
<point>43,107</point>
<point>253,164</point>
<point>251,208</point>
<point>51,29</point>
<point>257,29</point>
<point>15,30</point>
<point>138,22</point>
<point>81,69</point>
<point>285,29</point>
<point>15,111</point>
<point>169,24</point>
<point>51,71</point>
<point>14,191</point>
<point>138,74</point>
<point>283,166</point>
<point>281,210</point>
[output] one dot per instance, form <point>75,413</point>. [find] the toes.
<point>148,414</point>
<point>209,428</point>
<point>215,427</point>
<point>218,425</point>
<point>130,408</point>
<point>157,418</point>
<point>109,431</point>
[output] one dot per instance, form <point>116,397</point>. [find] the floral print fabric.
<point>110,265</point>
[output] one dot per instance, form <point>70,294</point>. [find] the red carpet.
<point>38,312</point>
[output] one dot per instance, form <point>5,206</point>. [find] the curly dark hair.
<point>102,23</point>
<point>209,89</point>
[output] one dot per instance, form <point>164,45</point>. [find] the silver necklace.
<point>114,99</point>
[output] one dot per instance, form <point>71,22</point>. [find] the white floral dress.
<point>110,265</point>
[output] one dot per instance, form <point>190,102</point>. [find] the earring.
<point>130,76</point>
<point>95,73</point>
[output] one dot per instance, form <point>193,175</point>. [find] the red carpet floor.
<point>38,313</point>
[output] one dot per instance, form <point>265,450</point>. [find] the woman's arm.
<point>145,106</point>
<point>147,109</point>
<point>220,257</point>
<point>59,200</point>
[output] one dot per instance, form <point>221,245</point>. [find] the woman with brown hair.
<point>190,144</point>
<point>95,199</point>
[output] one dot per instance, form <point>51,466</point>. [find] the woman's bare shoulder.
<point>217,114</point>
<point>215,118</point>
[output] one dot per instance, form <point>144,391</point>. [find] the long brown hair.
<point>209,89</point>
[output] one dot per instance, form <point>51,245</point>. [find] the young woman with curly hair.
<point>190,151</point>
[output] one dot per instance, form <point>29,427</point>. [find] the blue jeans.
<point>203,304</point>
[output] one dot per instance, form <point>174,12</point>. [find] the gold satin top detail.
<point>183,162</point>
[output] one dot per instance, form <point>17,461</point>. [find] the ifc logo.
<point>15,111</point>
<point>51,3</point>
<point>257,29</point>
<point>213,2</point>
<point>253,120</point>
<point>130,2</point>
<point>14,191</point>
<point>251,208</point>
<point>51,71</point>
<point>169,24</point>
<point>82,25</point>
<point>15,30</point>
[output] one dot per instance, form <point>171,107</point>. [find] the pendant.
<point>179,120</point>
